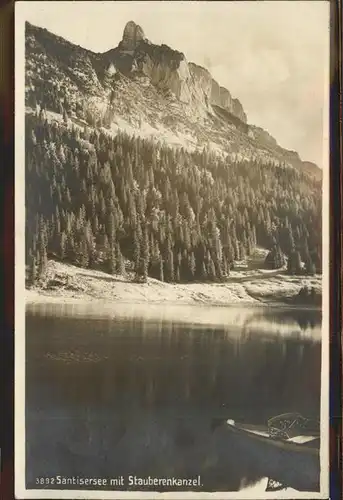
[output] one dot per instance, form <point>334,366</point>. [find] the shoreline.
<point>37,298</point>
<point>69,285</point>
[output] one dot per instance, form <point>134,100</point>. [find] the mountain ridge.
<point>150,87</point>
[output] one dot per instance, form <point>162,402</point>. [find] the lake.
<point>136,390</point>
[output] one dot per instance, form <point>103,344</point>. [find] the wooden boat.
<point>285,450</point>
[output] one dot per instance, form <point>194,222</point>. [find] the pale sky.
<point>271,55</point>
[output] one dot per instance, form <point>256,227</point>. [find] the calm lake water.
<point>137,393</point>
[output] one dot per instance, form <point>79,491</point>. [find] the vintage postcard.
<point>172,243</point>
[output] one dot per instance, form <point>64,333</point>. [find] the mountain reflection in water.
<point>122,394</point>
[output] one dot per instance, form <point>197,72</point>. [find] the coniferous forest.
<point>122,203</point>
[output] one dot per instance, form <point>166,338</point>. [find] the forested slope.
<point>109,202</point>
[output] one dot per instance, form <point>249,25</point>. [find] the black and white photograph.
<point>172,249</point>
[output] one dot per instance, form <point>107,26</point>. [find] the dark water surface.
<point>124,395</point>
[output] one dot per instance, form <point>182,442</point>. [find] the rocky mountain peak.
<point>133,34</point>
<point>153,88</point>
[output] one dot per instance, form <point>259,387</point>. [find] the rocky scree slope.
<point>146,89</point>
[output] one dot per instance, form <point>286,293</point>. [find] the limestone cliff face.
<point>237,109</point>
<point>164,76</point>
<point>168,69</point>
<point>214,93</point>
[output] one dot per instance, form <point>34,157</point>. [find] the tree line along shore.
<point>119,204</point>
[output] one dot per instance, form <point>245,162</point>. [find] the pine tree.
<point>211,270</point>
<point>119,260</point>
<point>43,263</point>
<point>82,255</point>
<point>237,250</point>
<point>178,273</point>
<point>275,258</point>
<point>294,263</point>
<point>111,227</point>
<point>216,250</point>
<point>309,266</point>
<point>287,240</point>
<point>62,245</point>
<point>145,254</point>
<point>242,250</point>
<point>136,252</point>
<point>112,261</point>
<point>70,254</point>
<point>161,277</point>
<point>192,265</point>
<point>178,267</point>
<point>33,271</point>
<point>43,242</point>
<point>225,267</point>
<point>170,271</point>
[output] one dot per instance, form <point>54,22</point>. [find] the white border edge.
<point>19,252</point>
<point>20,463</point>
<point>325,359</point>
